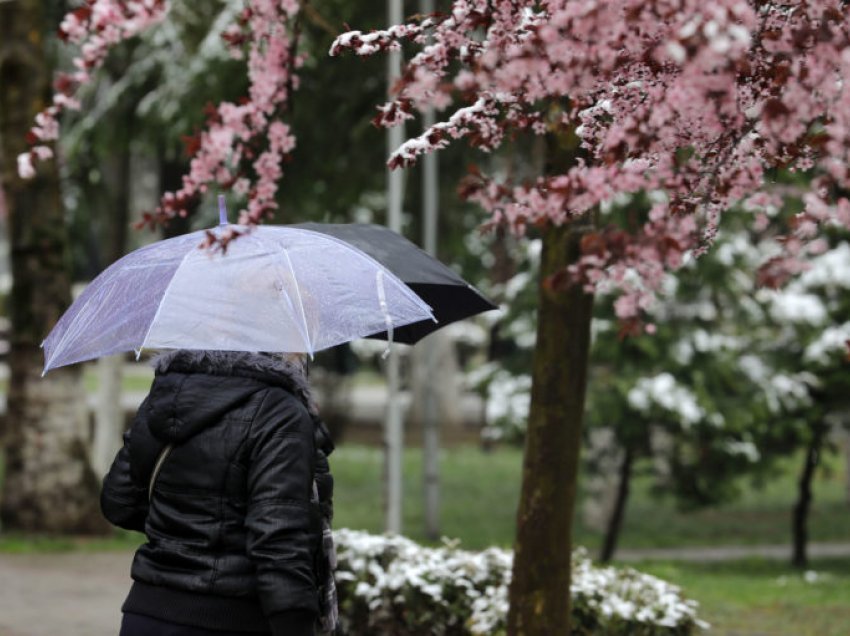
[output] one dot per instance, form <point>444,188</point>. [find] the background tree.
<point>812,329</point>
<point>48,483</point>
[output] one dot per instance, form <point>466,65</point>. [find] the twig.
<point>317,18</point>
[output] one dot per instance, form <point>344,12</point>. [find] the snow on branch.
<point>689,101</point>
<point>95,27</point>
<point>365,44</point>
<point>461,123</point>
<point>244,143</point>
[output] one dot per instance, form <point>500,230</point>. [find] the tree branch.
<point>317,18</point>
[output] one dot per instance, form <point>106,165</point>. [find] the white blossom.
<point>664,392</point>
<point>467,332</point>
<point>745,449</point>
<point>446,587</point>
<point>830,270</point>
<point>791,306</point>
<point>508,398</point>
<point>831,341</point>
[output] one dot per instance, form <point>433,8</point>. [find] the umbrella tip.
<point>222,210</point>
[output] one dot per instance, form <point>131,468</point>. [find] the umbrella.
<point>450,297</point>
<point>276,288</point>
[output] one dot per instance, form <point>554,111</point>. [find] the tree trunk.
<point>802,507</point>
<point>48,485</point>
<point>615,523</point>
<point>540,585</point>
<point>846,445</point>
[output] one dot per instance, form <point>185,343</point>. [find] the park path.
<point>732,553</point>
<point>68,594</point>
<point>80,594</point>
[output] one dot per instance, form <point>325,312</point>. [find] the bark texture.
<point>48,484</point>
<point>539,592</point>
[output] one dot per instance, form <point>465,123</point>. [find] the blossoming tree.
<point>696,101</point>
<point>812,331</point>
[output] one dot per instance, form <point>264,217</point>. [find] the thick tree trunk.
<point>803,505</point>
<point>48,485</point>
<point>615,523</point>
<point>540,586</point>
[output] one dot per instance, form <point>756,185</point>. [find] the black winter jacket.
<point>234,540</point>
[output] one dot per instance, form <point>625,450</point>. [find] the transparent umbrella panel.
<point>274,289</point>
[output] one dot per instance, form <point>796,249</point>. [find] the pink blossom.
<point>25,168</point>
<point>95,27</point>
<point>42,153</point>
<point>742,86</point>
<point>225,152</point>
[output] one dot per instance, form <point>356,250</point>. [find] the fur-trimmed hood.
<point>195,389</point>
<point>274,369</point>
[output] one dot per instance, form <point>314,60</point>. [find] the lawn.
<point>136,380</point>
<point>480,491</point>
<point>763,598</point>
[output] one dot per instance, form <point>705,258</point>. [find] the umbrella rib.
<point>382,301</point>
<point>305,332</point>
<point>58,347</point>
<point>162,302</point>
<point>403,288</point>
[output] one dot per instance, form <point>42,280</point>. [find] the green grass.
<point>760,516</point>
<point>480,493</point>
<point>130,382</point>
<point>139,381</point>
<point>757,597</point>
<point>14,543</point>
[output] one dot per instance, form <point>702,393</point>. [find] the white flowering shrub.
<point>391,585</point>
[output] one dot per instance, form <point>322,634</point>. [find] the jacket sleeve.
<point>124,501</point>
<point>284,532</point>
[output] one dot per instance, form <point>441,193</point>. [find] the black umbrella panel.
<point>451,297</point>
